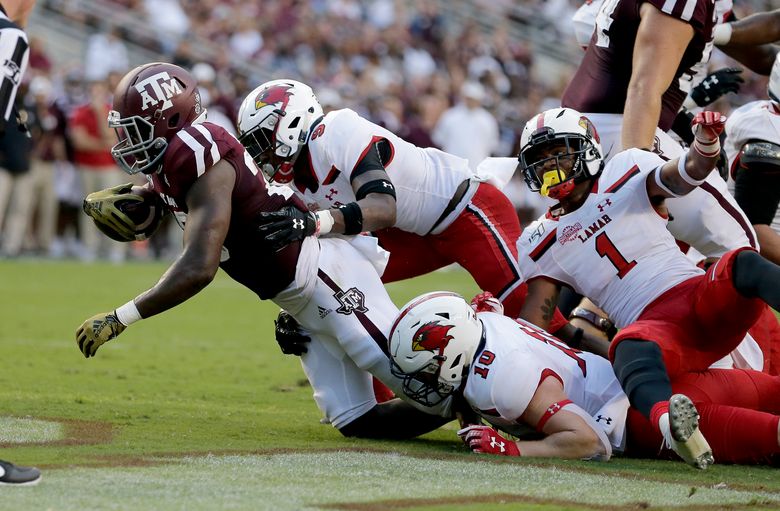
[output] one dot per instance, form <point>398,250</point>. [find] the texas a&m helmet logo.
<point>432,336</point>
<point>273,95</point>
<point>158,88</point>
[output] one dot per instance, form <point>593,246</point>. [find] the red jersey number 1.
<point>605,248</point>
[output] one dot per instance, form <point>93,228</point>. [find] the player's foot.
<point>683,435</point>
<point>10,474</point>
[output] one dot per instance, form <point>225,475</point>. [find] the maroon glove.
<point>485,439</point>
<point>486,302</point>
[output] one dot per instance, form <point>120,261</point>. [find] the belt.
<point>452,204</point>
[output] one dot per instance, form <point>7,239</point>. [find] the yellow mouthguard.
<point>550,179</point>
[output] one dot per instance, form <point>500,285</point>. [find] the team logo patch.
<point>569,233</point>
<point>273,95</point>
<point>351,300</point>
<point>431,336</point>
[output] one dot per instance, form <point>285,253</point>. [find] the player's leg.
<point>410,255</point>
<point>736,435</point>
<point>734,387</point>
<point>483,240</point>
<point>640,367</point>
<point>757,277</point>
<point>766,332</point>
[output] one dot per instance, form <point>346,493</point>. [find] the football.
<point>125,212</point>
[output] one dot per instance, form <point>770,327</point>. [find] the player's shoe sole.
<point>687,440</point>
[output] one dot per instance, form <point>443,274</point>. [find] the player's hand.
<point>716,85</point>
<point>286,225</point>
<point>707,126</point>
<point>289,336</point>
<point>486,302</point>
<point>484,439</point>
<point>96,331</point>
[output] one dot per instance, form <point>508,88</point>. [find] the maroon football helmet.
<point>152,103</point>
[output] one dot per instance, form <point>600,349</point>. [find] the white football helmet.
<point>774,81</point>
<point>432,343</point>
<point>583,154</point>
<point>274,123</point>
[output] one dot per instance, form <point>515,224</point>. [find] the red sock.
<point>660,408</point>
<point>382,392</point>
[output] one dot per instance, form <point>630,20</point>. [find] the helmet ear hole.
<point>174,120</point>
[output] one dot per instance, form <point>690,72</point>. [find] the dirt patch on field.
<point>76,432</point>
<point>486,500</point>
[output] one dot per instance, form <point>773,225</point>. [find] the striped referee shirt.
<point>14,53</point>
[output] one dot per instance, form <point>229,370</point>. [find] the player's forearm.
<point>574,444</point>
<point>758,59</point>
<point>759,28</point>
<point>183,280</point>
<point>377,211</point>
<point>640,117</point>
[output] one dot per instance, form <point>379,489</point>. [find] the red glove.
<point>485,439</point>
<point>707,126</point>
<point>486,302</point>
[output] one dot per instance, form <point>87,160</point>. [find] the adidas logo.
<point>323,311</point>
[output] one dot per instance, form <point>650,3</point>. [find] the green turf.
<point>208,377</point>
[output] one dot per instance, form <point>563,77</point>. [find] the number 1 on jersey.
<point>605,248</point>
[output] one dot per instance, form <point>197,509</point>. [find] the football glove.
<point>484,439</point>
<point>289,336</point>
<point>96,331</point>
<point>279,228</point>
<point>707,126</point>
<point>716,85</point>
<point>486,302</point>
<point>123,215</point>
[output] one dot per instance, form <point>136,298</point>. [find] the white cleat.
<point>682,433</point>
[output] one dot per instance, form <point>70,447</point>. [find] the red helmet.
<point>152,103</point>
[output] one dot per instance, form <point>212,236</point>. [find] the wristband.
<point>604,324</point>
<point>709,149</point>
<point>324,222</point>
<point>128,313</point>
<point>353,218</point>
<point>721,34</point>
<point>684,174</point>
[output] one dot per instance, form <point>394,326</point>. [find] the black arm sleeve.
<point>380,153</point>
<point>757,188</point>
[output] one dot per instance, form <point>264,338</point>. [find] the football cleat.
<point>682,433</point>
<point>11,474</point>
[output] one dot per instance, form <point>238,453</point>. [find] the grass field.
<point>198,409</point>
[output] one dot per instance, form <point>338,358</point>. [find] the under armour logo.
<point>297,224</point>
<point>387,184</point>
<point>608,420</point>
<point>603,204</point>
<point>554,408</point>
<point>495,443</point>
<point>330,195</point>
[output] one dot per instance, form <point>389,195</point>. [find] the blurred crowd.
<point>417,68</point>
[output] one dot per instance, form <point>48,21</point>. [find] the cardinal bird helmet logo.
<point>431,337</point>
<point>273,95</point>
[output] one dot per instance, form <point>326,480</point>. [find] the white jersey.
<point>516,357</point>
<point>424,179</point>
<point>757,120</point>
<point>615,248</point>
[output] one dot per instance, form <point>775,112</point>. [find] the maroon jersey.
<point>190,154</point>
<point>601,82</point>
